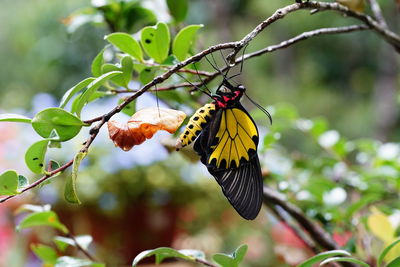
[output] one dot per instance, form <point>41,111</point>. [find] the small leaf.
<point>73,90</point>
<point>67,261</point>
<point>14,118</point>
<point>224,260</point>
<point>155,41</point>
<point>70,193</point>
<point>22,182</point>
<point>128,109</point>
<point>394,263</point>
<point>63,242</point>
<point>163,253</point>
<point>64,123</point>
<point>9,183</point>
<point>322,256</point>
<point>127,68</point>
<point>183,41</point>
<point>126,43</point>
<point>345,259</point>
<point>44,218</point>
<point>147,75</point>
<point>47,254</point>
<point>380,226</point>
<point>231,261</point>
<point>240,253</point>
<point>98,61</point>
<point>91,88</point>
<point>34,156</point>
<point>178,9</point>
<point>385,252</point>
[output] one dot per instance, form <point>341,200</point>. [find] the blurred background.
<point>333,143</point>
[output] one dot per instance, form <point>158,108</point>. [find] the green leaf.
<point>385,252</point>
<point>394,263</point>
<point>322,256</point>
<point>224,260</point>
<point>22,182</point>
<point>320,126</point>
<point>97,62</point>
<point>183,41</point>
<point>155,41</point>
<point>73,90</point>
<point>47,254</point>
<point>178,9</point>
<point>67,261</point>
<point>147,75</point>
<point>14,118</point>
<point>91,88</point>
<point>163,253</point>
<point>126,43</point>
<point>240,252</point>
<point>64,123</point>
<point>70,192</point>
<point>127,68</point>
<point>231,260</point>
<point>9,183</point>
<point>345,259</point>
<point>63,242</point>
<point>44,218</point>
<point>34,156</point>
<point>128,109</point>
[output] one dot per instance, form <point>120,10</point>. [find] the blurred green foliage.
<point>319,151</point>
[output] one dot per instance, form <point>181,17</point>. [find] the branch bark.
<point>317,233</point>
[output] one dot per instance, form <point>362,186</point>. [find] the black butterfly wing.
<point>228,147</point>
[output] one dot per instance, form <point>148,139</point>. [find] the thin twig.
<point>277,211</point>
<point>80,248</point>
<point>41,180</point>
<point>391,37</point>
<point>268,49</point>
<point>317,233</point>
<point>376,10</point>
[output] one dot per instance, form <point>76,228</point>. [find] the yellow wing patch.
<point>235,134</point>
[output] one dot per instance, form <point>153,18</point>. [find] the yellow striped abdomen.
<point>196,124</point>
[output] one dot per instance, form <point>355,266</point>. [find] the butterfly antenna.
<point>192,84</point>
<point>202,81</point>
<point>260,107</point>
<point>226,63</point>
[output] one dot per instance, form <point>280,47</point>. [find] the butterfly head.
<point>228,95</point>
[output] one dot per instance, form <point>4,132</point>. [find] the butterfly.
<point>226,139</point>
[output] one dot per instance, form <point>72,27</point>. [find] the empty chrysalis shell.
<point>143,125</point>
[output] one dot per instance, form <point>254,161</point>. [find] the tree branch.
<point>278,212</point>
<point>376,10</point>
<point>317,233</point>
<point>391,37</point>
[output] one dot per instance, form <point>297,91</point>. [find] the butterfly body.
<point>227,144</point>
